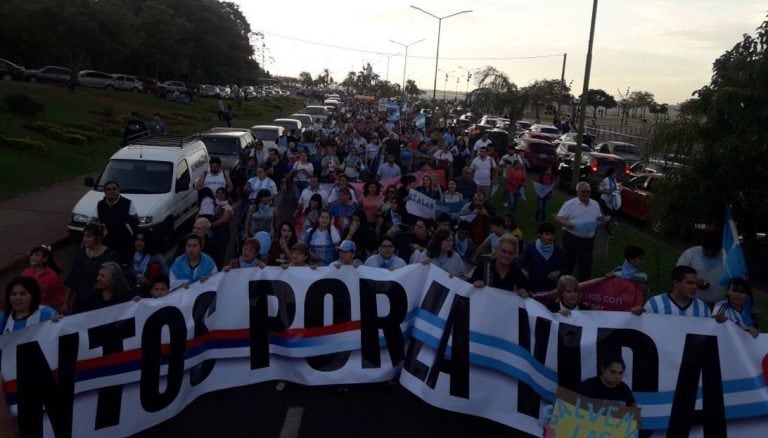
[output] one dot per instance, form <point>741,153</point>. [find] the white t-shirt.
<point>371,150</point>
<point>576,212</point>
<point>480,143</point>
<point>483,169</point>
<point>304,171</point>
<point>307,193</point>
<point>257,184</point>
<point>709,269</point>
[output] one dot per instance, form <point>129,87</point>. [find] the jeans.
<point>541,209</point>
<point>512,198</point>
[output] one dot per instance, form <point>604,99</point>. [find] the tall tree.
<point>721,135</point>
<point>306,79</point>
<point>411,89</point>
<point>544,92</point>
<point>599,98</point>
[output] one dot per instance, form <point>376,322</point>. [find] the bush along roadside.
<point>22,103</point>
<point>66,135</point>
<point>22,144</point>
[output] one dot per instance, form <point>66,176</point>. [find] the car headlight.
<point>145,220</point>
<point>80,218</point>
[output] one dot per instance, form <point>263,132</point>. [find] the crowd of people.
<point>338,195</point>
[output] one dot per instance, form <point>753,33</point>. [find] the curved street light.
<point>405,62</point>
<point>439,27</point>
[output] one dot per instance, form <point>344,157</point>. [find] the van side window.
<point>182,176</point>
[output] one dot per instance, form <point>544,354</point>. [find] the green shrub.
<point>72,136</point>
<point>22,144</point>
<point>107,111</point>
<point>23,104</point>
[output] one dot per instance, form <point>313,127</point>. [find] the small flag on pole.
<point>734,265</point>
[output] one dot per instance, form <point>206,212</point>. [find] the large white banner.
<point>116,371</point>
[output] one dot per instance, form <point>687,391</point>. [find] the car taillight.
<point>626,170</point>
<point>593,166</point>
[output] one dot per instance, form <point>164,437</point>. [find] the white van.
<point>158,175</point>
<point>318,113</point>
<point>289,125</point>
<point>332,102</point>
<point>268,134</point>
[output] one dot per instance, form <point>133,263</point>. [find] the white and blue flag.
<point>734,265</point>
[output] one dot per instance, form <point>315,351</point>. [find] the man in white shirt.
<point>306,195</point>
<point>388,170</point>
<point>484,167</point>
<point>482,142</point>
<point>707,260</point>
<point>580,218</point>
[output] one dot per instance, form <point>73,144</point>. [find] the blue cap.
<point>348,246</point>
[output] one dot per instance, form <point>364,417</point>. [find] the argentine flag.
<point>733,257</point>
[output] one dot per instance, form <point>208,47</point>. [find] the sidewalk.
<point>37,218</point>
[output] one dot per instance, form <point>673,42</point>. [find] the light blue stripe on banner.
<point>654,423</point>
<point>494,342</point>
<point>491,363</point>
<point>729,386</point>
<point>756,409</point>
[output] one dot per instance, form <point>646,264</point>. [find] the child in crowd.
<point>542,260</point>
<point>568,297</point>
<point>249,256</point>
<point>735,307</point>
<point>632,268</point>
<point>46,272</point>
<point>160,286</point>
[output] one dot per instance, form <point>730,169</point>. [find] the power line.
<point>447,58</point>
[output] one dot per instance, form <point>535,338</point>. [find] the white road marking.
<point>292,422</point>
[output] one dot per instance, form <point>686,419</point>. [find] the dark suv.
<point>593,166</point>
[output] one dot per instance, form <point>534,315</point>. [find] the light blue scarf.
<point>546,250</point>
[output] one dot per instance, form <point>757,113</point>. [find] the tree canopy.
<point>191,40</point>
<point>722,139</point>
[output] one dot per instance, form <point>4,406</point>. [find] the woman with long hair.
<point>359,232</point>
<point>322,239</point>
<point>371,201</point>
<point>43,268</point>
<point>87,262</point>
<point>280,250</point>
<point>440,253</point>
<point>148,263</point>
<point>429,188</point>
<point>310,214</point>
<point>22,305</point>
<point>110,289</point>
<point>194,265</point>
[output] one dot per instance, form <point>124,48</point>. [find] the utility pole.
<point>562,89</point>
<point>583,102</point>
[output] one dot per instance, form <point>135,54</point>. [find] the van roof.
<point>154,153</point>
<point>223,133</point>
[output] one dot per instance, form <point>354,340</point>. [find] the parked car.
<point>636,195</point>
<point>593,166</point>
<point>587,139</point>
<point>268,134</point>
<point>627,151</point>
<point>653,165</point>
<point>10,71</point>
<point>127,83</point>
<point>50,73</point>
<point>150,85</point>
<point>208,91</point>
<point>566,150</point>
<point>522,125</point>
<point>96,79</point>
<point>305,119</point>
<point>550,132</point>
<point>539,153</point>
<point>290,125</point>
<point>171,86</point>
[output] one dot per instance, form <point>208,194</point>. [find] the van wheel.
<point>110,87</point>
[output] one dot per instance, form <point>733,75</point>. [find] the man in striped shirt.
<point>682,300</point>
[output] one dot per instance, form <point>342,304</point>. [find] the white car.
<point>289,125</point>
<point>158,175</point>
<point>171,86</point>
<point>305,119</point>
<point>268,134</point>
<point>319,113</point>
<point>96,79</point>
<point>548,131</point>
<point>128,83</point>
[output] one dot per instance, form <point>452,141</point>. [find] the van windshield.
<point>222,145</point>
<point>265,134</point>
<point>138,176</point>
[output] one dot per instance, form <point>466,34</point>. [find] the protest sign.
<point>576,416</point>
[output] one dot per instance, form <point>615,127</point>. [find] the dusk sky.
<point>665,47</point>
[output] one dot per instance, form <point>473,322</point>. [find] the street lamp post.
<point>388,58</point>
<point>437,52</point>
<point>445,85</point>
<point>405,62</point>
<point>469,76</point>
<point>583,101</point>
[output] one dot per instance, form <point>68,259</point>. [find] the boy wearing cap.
<point>347,251</point>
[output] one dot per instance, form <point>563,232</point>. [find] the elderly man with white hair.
<point>580,218</point>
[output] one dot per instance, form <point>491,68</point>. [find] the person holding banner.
<point>734,308</point>
<point>249,257</point>
<point>347,252</point>
<point>280,250</point>
<point>22,306</point>
<point>440,253</point>
<point>87,262</point>
<point>386,258</point>
<point>429,188</point>
<point>682,300</point>
<point>568,298</point>
<point>300,257</point>
<point>609,384</point>
<point>501,271</point>
<point>111,288</point>
<point>194,265</point>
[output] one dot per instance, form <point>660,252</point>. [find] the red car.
<point>539,153</point>
<point>636,195</point>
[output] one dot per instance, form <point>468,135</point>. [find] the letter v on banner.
<point>734,265</point>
